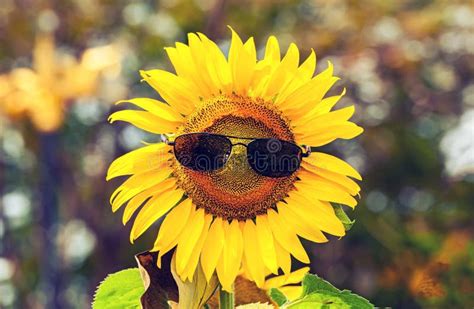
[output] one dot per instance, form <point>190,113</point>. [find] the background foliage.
<point>407,65</point>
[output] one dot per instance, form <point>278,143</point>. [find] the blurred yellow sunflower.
<point>232,217</point>
<point>53,81</point>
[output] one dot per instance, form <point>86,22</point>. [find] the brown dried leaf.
<point>160,286</point>
<point>246,292</point>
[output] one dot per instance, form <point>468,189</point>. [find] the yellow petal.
<point>217,64</point>
<point>197,65</point>
<point>266,243</point>
<point>324,135</point>
<point>167,244</point>
<point>349,184</point>
<point>212,249</point>
<point>272,50</point>
<point>176,91</point>
<point>303,228</point>
<point>314,97</point>
<point>286,237</point>
<point>320,214</point>
<point>136,184</point>
<point>140,160</point>
<point>180,57</point>
<point>283,73</point>
<point>251,50</point>
<point>333,164</point>
<point>145,121</point>
<point>265,68</point>
<point>201,60</point>
<point>230,262</point>
<point>302,75</point>
<point>154,209</point>
<point>251,253</point>
<point>292,292</point>
<point>196,252</point>
<point>188,239</point>
<point>309,105</point>
<point>325,191</point>
<point>172,226</point>
<point>313,91</point>
<point>306,70</point>
<point>301,196</point>
<point>283,257</point>
<point>313,178</point>
<point>140,198</point>
<point>180,64</point>
<point>328,119</point>
<point>242,64</point>
<point>187,63</point>
<point>294,277</point>
<point>325,105</point>
<point>156,108</point>
<point>260,81</point>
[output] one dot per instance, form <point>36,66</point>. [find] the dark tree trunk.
<point>49,181</point>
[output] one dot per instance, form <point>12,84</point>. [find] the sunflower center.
<point>236,191</point>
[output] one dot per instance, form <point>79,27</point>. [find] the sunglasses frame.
<point>306,150</point>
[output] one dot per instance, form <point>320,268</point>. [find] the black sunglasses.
<point>267,156</point>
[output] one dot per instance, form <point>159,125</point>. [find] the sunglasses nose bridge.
<point>239,150</point>
<point>241,144</point>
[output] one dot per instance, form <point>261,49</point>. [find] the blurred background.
<point>407,65</point>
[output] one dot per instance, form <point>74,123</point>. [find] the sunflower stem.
<point>226,299</point>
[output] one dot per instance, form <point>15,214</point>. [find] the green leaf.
<point>329,300</point>
<point>356,301</point>
<point>320,300</point>
<point>341,214</point>
<point>278,297</point>
<point>318,293</point>
<point>122,289</point>
<point>312,283</point>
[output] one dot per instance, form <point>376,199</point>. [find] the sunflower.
<point>234,219</point>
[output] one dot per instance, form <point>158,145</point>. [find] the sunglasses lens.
<point>274,158</point>
<point>202,152</point>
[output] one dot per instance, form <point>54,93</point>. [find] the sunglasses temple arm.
<point>307,151</point>
<point>165,140</point>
